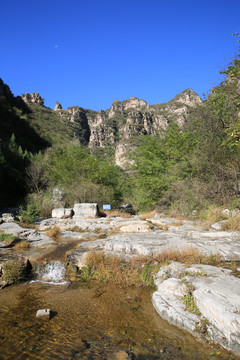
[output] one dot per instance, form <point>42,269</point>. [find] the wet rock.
<point>208,287</point>
<point>120,355</point>
<point>44,314</point>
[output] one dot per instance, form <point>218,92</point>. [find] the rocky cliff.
<point>115,127</point>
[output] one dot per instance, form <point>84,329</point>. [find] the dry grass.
<point>79,229</point>
<point>187,255</point>
<point>232,224</point>
<point>112,269</point>
<point>55,234</point>
<point>22,246</point>
<point>148,214</point>
<point>139,271</point>
<point>117,213</point>
<point>163,227</point>
<point>210,216</point>
<point>177,223</point>
<point>175,214</point>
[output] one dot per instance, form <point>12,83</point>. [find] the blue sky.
<point>90,52</point>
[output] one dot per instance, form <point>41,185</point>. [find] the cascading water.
<point>53,272</point>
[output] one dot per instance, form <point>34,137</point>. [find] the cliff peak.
<point>187,97</point>
<point>33,98</point>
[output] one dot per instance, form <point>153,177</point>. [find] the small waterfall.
<point>53,272</point>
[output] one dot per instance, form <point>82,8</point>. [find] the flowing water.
<point>89,321</point>
<point>53,273</point>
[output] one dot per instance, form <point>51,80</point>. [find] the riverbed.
<point>91,321</point>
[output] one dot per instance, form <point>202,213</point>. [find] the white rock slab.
<point>62,213</point>
<point>215,292</point>
<point>85,210</point>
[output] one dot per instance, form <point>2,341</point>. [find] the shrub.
<point>14,272</point>
<point>29,213</point>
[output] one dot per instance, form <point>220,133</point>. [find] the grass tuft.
<point>148,214</point>
<point>22,245</point>
<point>55,233</point>
<point>232,224</point>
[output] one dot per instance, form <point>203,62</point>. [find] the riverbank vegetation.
<point>139,271</point>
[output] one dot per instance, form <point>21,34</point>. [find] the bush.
<point>14,272</point>
<point>29,213</point>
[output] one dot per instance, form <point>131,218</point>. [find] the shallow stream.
<point>90,321</point>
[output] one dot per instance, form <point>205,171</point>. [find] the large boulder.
<point>62,213</point>
<point>85,210</point>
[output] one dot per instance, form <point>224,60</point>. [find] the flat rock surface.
<point>35,238</point>
<point>223,243</point>
<point>215,292</point>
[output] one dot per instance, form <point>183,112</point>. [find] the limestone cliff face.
<point>113,129</point>
<point>126,119</point>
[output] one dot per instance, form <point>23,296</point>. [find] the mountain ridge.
<point>104,129</point>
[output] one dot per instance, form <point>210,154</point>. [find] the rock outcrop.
<point>197,299</point>
<point>33,98</point>
<point>58,106</point>
<point>115,127</point>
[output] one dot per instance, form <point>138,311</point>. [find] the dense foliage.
<point>82,177</point>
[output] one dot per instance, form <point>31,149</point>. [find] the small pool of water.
<point>91,321</point>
